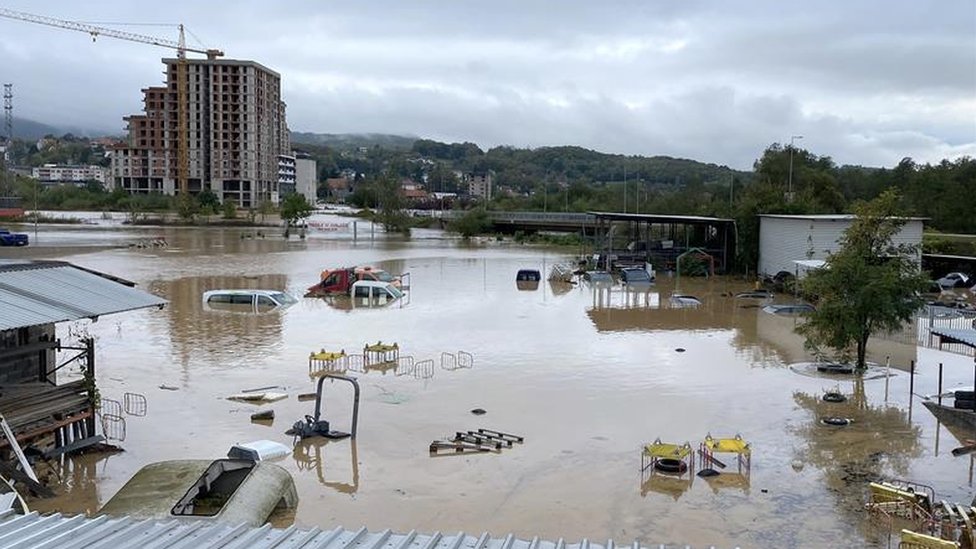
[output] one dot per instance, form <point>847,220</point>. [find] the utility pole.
<point>790,184</point>
<point>731,185</point>
<point>625,188</point>
<point>8,133</point>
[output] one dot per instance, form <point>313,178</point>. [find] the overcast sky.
<point>865,82</point>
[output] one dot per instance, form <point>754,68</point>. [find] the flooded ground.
<point>586,376</point>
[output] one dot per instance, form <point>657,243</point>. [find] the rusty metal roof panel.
<point>33,293</point>
<point>62,532</point>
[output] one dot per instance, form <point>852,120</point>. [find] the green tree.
<point>392,204</point>
<point>472,223</point>
<point>187,206</point>
<point>294,208</point>
<point>229,210</point>
<point>208,201</point>
<point>869,285</point>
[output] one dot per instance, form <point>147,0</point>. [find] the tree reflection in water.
<point>880,443</point>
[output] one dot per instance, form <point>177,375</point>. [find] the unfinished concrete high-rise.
<point>236,129</point>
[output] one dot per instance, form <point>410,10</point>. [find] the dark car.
<point>635,275</point>
<point>528,275</point>
<point>8,238</point>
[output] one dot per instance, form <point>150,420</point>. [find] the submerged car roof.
<point>242,291</point>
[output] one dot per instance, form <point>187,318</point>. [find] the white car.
<point>954,280</point>
<point>373,293</point>
<point>246,301</point>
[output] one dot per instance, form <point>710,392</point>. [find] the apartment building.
<point>286,174</point>
<point>479,185</point>
<point>64,173</point>
<point>236,132</point>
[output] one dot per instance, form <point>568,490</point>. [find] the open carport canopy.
<point>963,336</point>
<point>45,292</point>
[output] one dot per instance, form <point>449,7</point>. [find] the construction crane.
<point>182,94</point>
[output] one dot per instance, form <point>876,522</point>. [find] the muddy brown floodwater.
<point>586,376</point>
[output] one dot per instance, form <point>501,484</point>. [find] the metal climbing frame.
<point>380,353</point>
<point>667,458</point>
<point>355,402</point>
<point>735,445</point>
<point>324,362</point>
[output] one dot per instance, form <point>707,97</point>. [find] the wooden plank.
<point>16,448</point>
<point>49,427</point>
<point>74,446</point>
<point>35,487</point>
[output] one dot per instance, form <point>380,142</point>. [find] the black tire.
<point>836,421</point>
<point>668,465</point>
<point>835,369</point>
<point>965,395</point>
<point>964,404</point>
<point>834,397</point>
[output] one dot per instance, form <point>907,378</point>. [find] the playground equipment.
<point>735,445</point>
<point>667,458</point>
<point>315,425</point>
<point>324,362</point>
<point>933,524</point>
<point>381,354</point>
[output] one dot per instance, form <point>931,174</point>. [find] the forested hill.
<point>520,169</point>
<point>352,141</point>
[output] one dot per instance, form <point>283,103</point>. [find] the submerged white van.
<point>373,293</point>
<point>248,301</point>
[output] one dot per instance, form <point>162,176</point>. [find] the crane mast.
<point>182,91</point>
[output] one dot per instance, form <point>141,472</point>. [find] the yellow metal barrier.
<point>914,540</point>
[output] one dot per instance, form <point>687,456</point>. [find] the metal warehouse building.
<point>786,239</point>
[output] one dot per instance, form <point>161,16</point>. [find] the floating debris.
<point>482,440</point>
<point>269,396</point>
<point>832,396</point>
<point>479,411</point>
<point>263,415</point>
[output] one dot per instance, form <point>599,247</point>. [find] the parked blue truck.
<point>8,238</point>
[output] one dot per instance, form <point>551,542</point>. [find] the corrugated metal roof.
<point>830,217</point>
<point>956,335</point>
<point>79,532</point>
<point>33,293</point>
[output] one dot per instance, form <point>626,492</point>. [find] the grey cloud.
<point>867,82</point>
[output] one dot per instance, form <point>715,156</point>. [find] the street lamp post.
<point>790,183</point>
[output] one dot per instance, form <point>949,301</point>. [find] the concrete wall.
<point>783,240</point>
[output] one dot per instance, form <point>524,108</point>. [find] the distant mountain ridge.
<point>30,130</point>
<point>355,140</point>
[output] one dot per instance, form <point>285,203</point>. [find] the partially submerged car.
<point>789,309</point>
<point>246,300</point>
<point>630,276</point>
<point>340,281</point>
<point>684,301</point>
<point>228,490</point>
<point>598,278</point>
<point>373,293</point>
<point>955,280</point>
